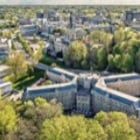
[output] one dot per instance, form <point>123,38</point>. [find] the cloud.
<point>74,2</point>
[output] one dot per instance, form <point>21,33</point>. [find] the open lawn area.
<point>28,80</point>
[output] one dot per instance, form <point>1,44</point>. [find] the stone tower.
<point>71,20</point>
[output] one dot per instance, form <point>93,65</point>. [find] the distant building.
<point>136,27</point>
<point>29,30</point>
<point>71,20</point>
<point>25,21</point>
<point>57,47</point>
<point>39,15</point>
<point>51,15</point>
<point>132,16</point>
<point>106,28</point>
<point>4,48</point>
<point>80,33</point>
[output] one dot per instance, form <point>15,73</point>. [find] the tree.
<point>117,61</point>
<point>33,114</point>
<point>134,123</point>
<point>120,131</point>
<point>76,53</point>
<point>39,110</point>
<point>127,63</point>
<point>101,58</point>
<point>92,57</point>
<point>25,44</point>
<point>110,61</point>
<point>119,35</point>
<point>95,131</point>
<point>37,55</point>
<point>137,61</point>
<point>101,37</point>
<point>116,125</point>
<point>107,40</point>
<point>64,127</point>
<point>8,119</point>
<point>18,64</point>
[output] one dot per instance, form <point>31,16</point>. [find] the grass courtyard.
<point>27,80</point>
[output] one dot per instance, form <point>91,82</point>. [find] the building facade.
<point>132,16</point>
<point>5,87</point>
<point>29,30</point>
<point>88,94</point>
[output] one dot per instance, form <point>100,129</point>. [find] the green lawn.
<point>28,80</point>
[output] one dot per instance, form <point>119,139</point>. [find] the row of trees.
<point>79,55</point>
<point>21,62</point>
<point>18,65</point>
<point>42,120</point>
<point>36,55</point>
<point>100,50</point>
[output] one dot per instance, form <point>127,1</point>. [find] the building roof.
<point>3,68</point>
<point>3,84</point>
<point>44,90</point>
<point>122,77</point>
<point>60,71</point>
<point>101,88</point>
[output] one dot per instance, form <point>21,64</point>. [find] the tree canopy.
<point>43,120</point>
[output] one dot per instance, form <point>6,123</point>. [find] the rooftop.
<point>3,68</point>
<point>108,87</point>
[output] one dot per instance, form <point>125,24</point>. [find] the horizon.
<point>70,2</point>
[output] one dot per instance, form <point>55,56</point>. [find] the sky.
<point>70,2</point>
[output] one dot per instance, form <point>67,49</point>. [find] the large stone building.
<point>132,16</point>
<point>5,87</point>
<point>88,94</point>
<point>29,30</point>
<point>118,93</point>
<point>5,45</point>
<point>63,92</point>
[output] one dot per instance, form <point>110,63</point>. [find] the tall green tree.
<point>62,128</point>
<point>8,119</point>
<point>120,131</point>
<point>127,63</point>
<point>76,53</point>
<point>137,61</point>
<point>101,58</point>
<point>18,64</point>
<point>119,35</point>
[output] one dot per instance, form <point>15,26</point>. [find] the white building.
<point>91,93</point>
<point>4,70</point>
<point>5,87</point>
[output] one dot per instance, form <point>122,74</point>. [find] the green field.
<point>27,80</point>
